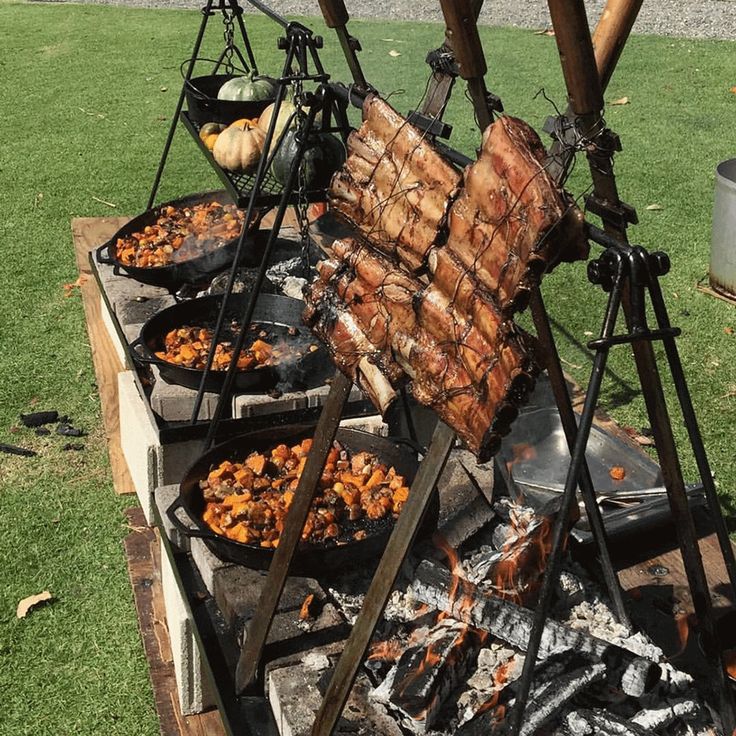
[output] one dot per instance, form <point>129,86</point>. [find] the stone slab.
<point>295,694</point>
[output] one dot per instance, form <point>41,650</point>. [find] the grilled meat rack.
<point>629,274</point>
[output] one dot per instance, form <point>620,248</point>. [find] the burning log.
<point>427,673</point>
<point>435,586</point>
<point>585,722</point>
<point>546,700</point>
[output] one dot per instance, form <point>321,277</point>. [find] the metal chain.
<point>302,206</point>
<point>228,35</point>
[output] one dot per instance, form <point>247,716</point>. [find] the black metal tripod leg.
<point>206,12</point>
<point>559,535</point>
<point>696,439</point>
<point>384,580</point>
<point>250,656</point>
<point>570,427</point>
<point>664,440</point>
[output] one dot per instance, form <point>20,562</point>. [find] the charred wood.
<point>586,722</point>
<point>434,585</point>
<point>662,715</point>
<point>427,673</point>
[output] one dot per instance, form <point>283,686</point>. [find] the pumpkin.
<point>239,147</point>
<point>248,89</point>
<point>209,132</point>
<point>285,117</point>
<point>323,156</point>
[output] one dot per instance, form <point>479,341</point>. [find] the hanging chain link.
<point>228,35</point>
<point>302,206</point>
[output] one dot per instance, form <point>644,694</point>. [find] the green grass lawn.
<point>89,92</point>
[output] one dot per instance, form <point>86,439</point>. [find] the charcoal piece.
<point>43,432</point>
<point>663,714</point>
<point>71,446</point>
<point>15,450</point>
<point>39,418</point>
<point>67,430</point>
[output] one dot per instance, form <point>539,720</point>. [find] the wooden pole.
<point>611,34</point>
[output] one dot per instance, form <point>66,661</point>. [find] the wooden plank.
<point>88,233</point>
<point>142,553</point>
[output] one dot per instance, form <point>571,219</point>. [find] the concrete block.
<point>174,403</point>
<point>252,405</point>
<point>163,497</point>
<point>294,693</point>
<point>207,563</point>
<point>191,683</point>
<point>122,290</point>
<point>139,309</point>
<point>175,459</point>
<point>237,590</point>
<point>109,321</point>
<point>139,442</point>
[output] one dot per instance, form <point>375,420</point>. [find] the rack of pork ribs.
<point>424,292</point>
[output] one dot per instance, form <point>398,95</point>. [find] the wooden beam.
<point>88,233</point>
<point>142,554</point>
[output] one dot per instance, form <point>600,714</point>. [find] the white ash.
<point>279,272</point>
<point>294,287</point>
<point>315,661</point>
<point>482,684</point>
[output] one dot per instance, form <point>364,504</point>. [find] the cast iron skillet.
<point>310,559</point>
<point>273,312</point>
<point>192,270</point>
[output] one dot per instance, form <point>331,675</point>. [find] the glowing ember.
<point>387,651</point>
<point>729,657</point>
<point>682,623</point>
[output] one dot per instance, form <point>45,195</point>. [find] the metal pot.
<point>195,269</point>
<point>276,313</point>
<point>204,107</point>
<point>310,559</point>
<point>723,241</point>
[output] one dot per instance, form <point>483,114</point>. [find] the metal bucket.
<point>723,242</point>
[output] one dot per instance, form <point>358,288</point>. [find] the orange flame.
<point>388,651</point>
<point>682,622</point>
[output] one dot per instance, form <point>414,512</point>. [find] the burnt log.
<point>662,715</point>
<point>434,585</point>
<point>39,418</point>
<point>585,722</point>
<point>548,698</point>
<point>15,450</point>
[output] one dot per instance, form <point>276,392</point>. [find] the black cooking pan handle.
<point>105,260</point>
<point>141,352</point>
<point>188,531</point>
<point>411,444</point>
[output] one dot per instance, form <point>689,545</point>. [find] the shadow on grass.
<point>619,392</point>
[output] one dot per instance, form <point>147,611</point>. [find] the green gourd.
<point>325,153</point>
<point>248,89</point>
